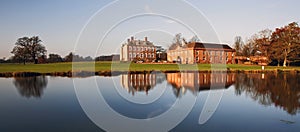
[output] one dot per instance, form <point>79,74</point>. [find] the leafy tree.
<point>28,49</point>
<point>263,41</point>
<point>69,57</point>
<point>75,58</point>
<point>36,49</point>
<point>21,51</point>
<point>54,58</point>
<point>88,58</point>
<point>3,60</point>
<point>285,44</point>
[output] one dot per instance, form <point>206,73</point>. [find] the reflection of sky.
<point>131,109</point>
<point>56,110</point>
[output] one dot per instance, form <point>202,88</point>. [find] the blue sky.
<point>60,22</point>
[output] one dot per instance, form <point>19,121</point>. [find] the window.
<point>197,52</point>
<point>152,55</point>
<point>134,48</point>
<point>130,55</point>
<point>226,56</point>
<point>134,55</point>
<point>145,48</point>
<point>129,48</point>
<point>142,55</point>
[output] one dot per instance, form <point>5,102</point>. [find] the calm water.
<point>250,102</point>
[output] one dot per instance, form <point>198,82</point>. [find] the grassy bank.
<point>117,66</point>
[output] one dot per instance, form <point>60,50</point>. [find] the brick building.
<point>196,52</point>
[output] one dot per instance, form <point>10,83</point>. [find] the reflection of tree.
<point>282,90</point>
<point>31,86</point>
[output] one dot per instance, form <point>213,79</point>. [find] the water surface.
<point>251,102</point>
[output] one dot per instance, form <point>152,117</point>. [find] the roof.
<point>207,45</point>
<point>202,46</point>
<point>140,42</point>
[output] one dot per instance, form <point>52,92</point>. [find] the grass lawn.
<point>118,66</point>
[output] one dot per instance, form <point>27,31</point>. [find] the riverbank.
<point>83,69</point>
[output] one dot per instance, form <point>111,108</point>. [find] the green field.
<point>118,66</point>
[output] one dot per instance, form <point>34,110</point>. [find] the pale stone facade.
<point>138,50</point>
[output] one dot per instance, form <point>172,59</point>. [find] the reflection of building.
<point>195,81</point>
<point>138,82</point>
<point>201,53</point>
<point>135,50</point>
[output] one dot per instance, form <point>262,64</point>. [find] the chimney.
<point>146,39</point>
<point>128,40</point>
<point>132,38</point>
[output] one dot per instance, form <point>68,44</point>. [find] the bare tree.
<point>194,39</point>
<point>178,40</point>
<point>250,49</point>
<point>238,45</point>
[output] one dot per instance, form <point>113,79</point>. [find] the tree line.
<point>179,40</point>
<point>31,50</point>
<point>281,46</point>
